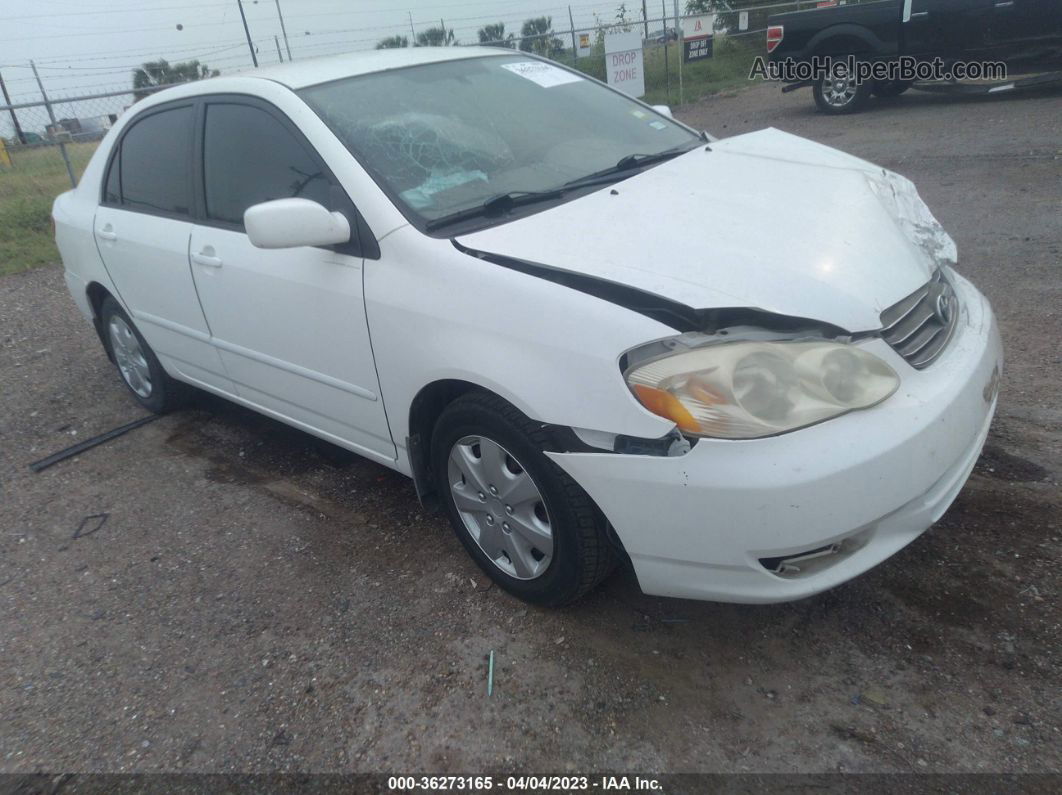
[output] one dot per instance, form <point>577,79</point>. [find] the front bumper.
<point>713,523</point>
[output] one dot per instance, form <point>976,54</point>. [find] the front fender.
<point>437,314</point>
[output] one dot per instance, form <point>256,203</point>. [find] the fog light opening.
<point>802,562</point>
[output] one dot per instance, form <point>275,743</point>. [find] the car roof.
<point>299,74</point>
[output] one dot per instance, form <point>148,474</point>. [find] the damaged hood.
<point>766,220</point>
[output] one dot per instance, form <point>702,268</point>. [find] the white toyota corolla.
<point>589,332</point>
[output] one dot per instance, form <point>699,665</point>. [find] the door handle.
<point>206,260</point>
<point>919,14</point>
<point>107,233</point>
<point>1005,4</point>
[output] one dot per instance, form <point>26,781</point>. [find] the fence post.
<point>575,47</point>
<point>682,46</point>
<point>19,135</point>
<point>667,67</point>
<point>51,115</point>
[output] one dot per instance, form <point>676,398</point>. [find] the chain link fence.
<point>46,144</point>
<point>44,149</point>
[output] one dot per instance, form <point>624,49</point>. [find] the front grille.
<point>919,327</point>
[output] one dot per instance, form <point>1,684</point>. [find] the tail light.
<point>774,37</point>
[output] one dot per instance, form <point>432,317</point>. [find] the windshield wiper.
<point>630,162</point>
<point>496,205</point>
<point>506,202</point>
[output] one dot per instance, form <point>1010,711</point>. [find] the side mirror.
<point>289,223</point>
<point>663,110</point>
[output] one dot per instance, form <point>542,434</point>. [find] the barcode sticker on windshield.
<point>545,74</point>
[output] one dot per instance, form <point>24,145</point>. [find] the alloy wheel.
<point>132,363</point>
<point>839,90</point>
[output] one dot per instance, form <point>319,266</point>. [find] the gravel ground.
<point>249,599</point>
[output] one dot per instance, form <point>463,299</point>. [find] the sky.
<point>92,46</point>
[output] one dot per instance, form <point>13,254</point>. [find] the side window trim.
<point>362,243</point>
<point>114,160</point>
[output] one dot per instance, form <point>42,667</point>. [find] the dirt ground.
<point>254,600</point>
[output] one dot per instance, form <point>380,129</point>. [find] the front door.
<point>1027,31</point>
<point>289,323</point>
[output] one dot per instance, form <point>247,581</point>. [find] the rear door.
<point>142,229</point>
<point>289,323</point>
<point>951,29</point>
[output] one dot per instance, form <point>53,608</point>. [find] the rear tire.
<point>137,364</point>
<point>840,94</point>
<point>526,523</point>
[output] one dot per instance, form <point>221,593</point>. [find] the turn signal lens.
<point>746,390</point>
<point>666,405</point>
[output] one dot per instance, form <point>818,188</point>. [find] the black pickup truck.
<point>1025,35</point>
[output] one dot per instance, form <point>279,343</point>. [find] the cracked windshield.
<point>449,136</point>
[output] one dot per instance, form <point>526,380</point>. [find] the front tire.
<point>840,94</point>
<point>526,523</point>
<point>137,364</point>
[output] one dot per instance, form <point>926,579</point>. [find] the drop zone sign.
<point>624,64</point>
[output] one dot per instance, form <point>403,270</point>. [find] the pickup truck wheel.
<point>891,88</point>
<point>137,364</point>
<point>840,94</point>
<point>525,522</point>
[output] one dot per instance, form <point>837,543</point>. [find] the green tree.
<point>392,42</point>
<point>162,73</point>
<point>495,35</point>
<point>436,37</point>
<point>537,37</point>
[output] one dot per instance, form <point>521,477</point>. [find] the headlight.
<point>744,390</point>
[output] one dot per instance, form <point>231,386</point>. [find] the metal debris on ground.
<point>88,444</point>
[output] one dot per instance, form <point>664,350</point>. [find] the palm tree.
<point>495,35</point>
<point>162,73</point>
<point>392,42</point>
<point>436,37</point>
<point>537,37</point>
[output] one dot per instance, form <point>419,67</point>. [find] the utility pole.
<point>55,126</point>
<point>21,136</point>
<point>283,30</point>
<point>247,30</point>
<point>412,33</point>
<point>279,56</point>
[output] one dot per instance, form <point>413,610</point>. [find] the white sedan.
<point>593,335</point>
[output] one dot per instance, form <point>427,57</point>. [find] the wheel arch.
<point>844,40</point>
<point>424,411</point>
<point>97,293</point>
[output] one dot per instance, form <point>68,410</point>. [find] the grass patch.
<point>27,189</point>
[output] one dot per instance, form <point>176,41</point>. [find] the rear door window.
<point>150,172</point>
<point>250,157</point>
